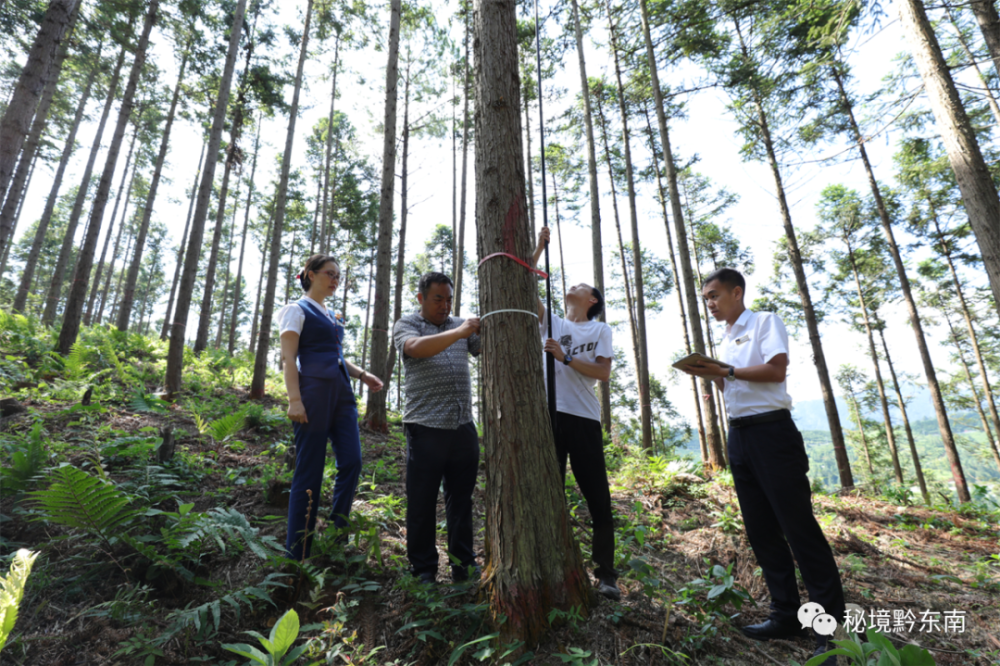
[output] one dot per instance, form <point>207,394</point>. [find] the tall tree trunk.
<point>121,276</point>
<point>185,289</point>
<point>16,190</point>
<point>375,416</point>
<point>654,149</point>
<point>180,248</point>
<point>368,313</point>
<point>562,255</point>
<point>595,200</point>
<point>111,267</point>
<point>397,311</point>
<point>267,311</point>
<point>54,292</point>
<point>979,193</point>
<point>640,297</point>
<point>17,118</point>
<point>325,234</point>
<point>692,292</point>
<point>944,426</point>
<point>460,260</point>
<point>901,403</point>
<point>205,316</point>
<point>531,174</point>
<point>808,311</point>
<point>125,311</point>
<point>96,282</point>
<point>5,253</point>
<point>972,387</point>
<point>81,275</point>
<point>861,430</point>
<point>987,91</point>
<point>886,418</point>
<point>145,310</point>
<point>454,179</point>
<point>229,262</point>
<point>532,561</point>
<point>989,24</point>
<point>260,287</point>
<point>984,379</point>
<point>238,296</point>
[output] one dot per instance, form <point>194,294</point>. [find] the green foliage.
<point>80,501</point>
<point>224,428</point>
<point>208,616</point>
<point>25,462</point>
<point>863,653</point>
<point>142,402</point>
<point>12,591</point>
<point>282,637</point>
<point>720,590</point>
<point>729,520</point>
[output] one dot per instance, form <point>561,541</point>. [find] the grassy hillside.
<point>182,554</point>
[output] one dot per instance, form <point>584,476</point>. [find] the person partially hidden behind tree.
<point>583,350</point>
<point>769,464</point>
<point>441,439</point>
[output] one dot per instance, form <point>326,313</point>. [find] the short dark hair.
<point>427,279</point>
<point>727,276</point>
<point>598,307</point>
<point>314,263</point>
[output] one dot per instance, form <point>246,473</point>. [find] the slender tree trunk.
<point>260,288</point>
<point>145,310</point>
<point>532,561</point>
<point>692,292</point>
<point>238,296</point>
<point>185,290</point>
<point>944,426</point>
<point>861,430</point>
<point>111,266</point>
<point>329,151</point>
<point>96,282</point>
<point>81,275</point>
<point>16,189</point>
<point>403,213</point>
<point>989,23</point>
<point>375,415</point>
<point>16,122</point>
<point>55,285</point>
<point>887,419</point>
<point>316,212</point>
<point>979,193</point>
<point>182,246</point>
<point>917,467</point>
<point>5,253</point>
<point>460,261</point>
<point>972,388</point>
<point>808,311</point>
<point>987,91</point>
<point>125,311</point>
<point>121,276</point>
<point>531,174</point>
<point>562,255</point>
<point>229,262</point>
<point>267,311</point>
<point>368,313</point>
<point>677,283</point>
<point>595,199</point>
<point>640,298</point>
<point>205,316</point>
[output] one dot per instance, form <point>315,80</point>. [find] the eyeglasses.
<point>330,274</point>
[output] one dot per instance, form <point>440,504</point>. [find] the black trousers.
<point>433,455</point>
<point>581,440</point>
<point>769,465</point>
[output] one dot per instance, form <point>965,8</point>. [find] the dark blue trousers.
<point>333,416</point>
<point>769,465</point>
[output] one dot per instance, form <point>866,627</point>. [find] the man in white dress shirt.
<point>769,463</point>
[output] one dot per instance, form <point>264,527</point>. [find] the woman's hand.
<point>297,411</point>
<point>372,382</point>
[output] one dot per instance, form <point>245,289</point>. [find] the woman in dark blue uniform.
<point>320,402</point>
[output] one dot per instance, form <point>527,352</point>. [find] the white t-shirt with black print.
<point>576,393</point>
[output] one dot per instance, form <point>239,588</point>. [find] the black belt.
<point>766,417</point>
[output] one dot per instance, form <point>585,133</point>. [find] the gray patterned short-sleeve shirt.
<point>438,388</point>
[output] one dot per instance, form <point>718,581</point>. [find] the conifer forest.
<point>168,167</point>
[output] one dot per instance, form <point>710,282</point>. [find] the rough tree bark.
<point>81,275</point>
<point>375,414</point>
<point>185,289</point>
<point>532,561</point>
<point>260,286</point>
<point>989,24</point>
<point>183,244</point>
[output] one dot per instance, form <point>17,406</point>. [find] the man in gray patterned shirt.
<point>441,438</point>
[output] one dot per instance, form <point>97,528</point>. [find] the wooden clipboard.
<point>695,359</point>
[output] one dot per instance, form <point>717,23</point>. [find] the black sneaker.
<point>427,578</point>
<point>608,587</point>
<point>770,628</point>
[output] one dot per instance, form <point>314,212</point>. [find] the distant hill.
<point>811,414</point>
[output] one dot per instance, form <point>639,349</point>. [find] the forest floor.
<point>184,583</point>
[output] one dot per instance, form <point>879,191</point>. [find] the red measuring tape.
<point>518,260</point>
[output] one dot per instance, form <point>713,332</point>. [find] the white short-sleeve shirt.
<point>291,317</point>
<point>754,339</point>
<point>585,340</point>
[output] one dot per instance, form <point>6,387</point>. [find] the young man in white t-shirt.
<point>583,351</point>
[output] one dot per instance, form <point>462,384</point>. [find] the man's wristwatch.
<point>732,373</point>
<point>568,359</point>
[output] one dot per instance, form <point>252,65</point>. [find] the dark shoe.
<point>823,646</point>
<point>427,578</point>
<point>769,629</point>
<point>464,574</point>
<point>608,587</point>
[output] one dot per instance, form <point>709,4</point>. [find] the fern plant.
<point>25,463</point>
<point>76,362</point>
<point>208,616</point>
<point>141,402</point>
<point>80,501</point>
<point>224,428</point>
<point>12,591</point>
